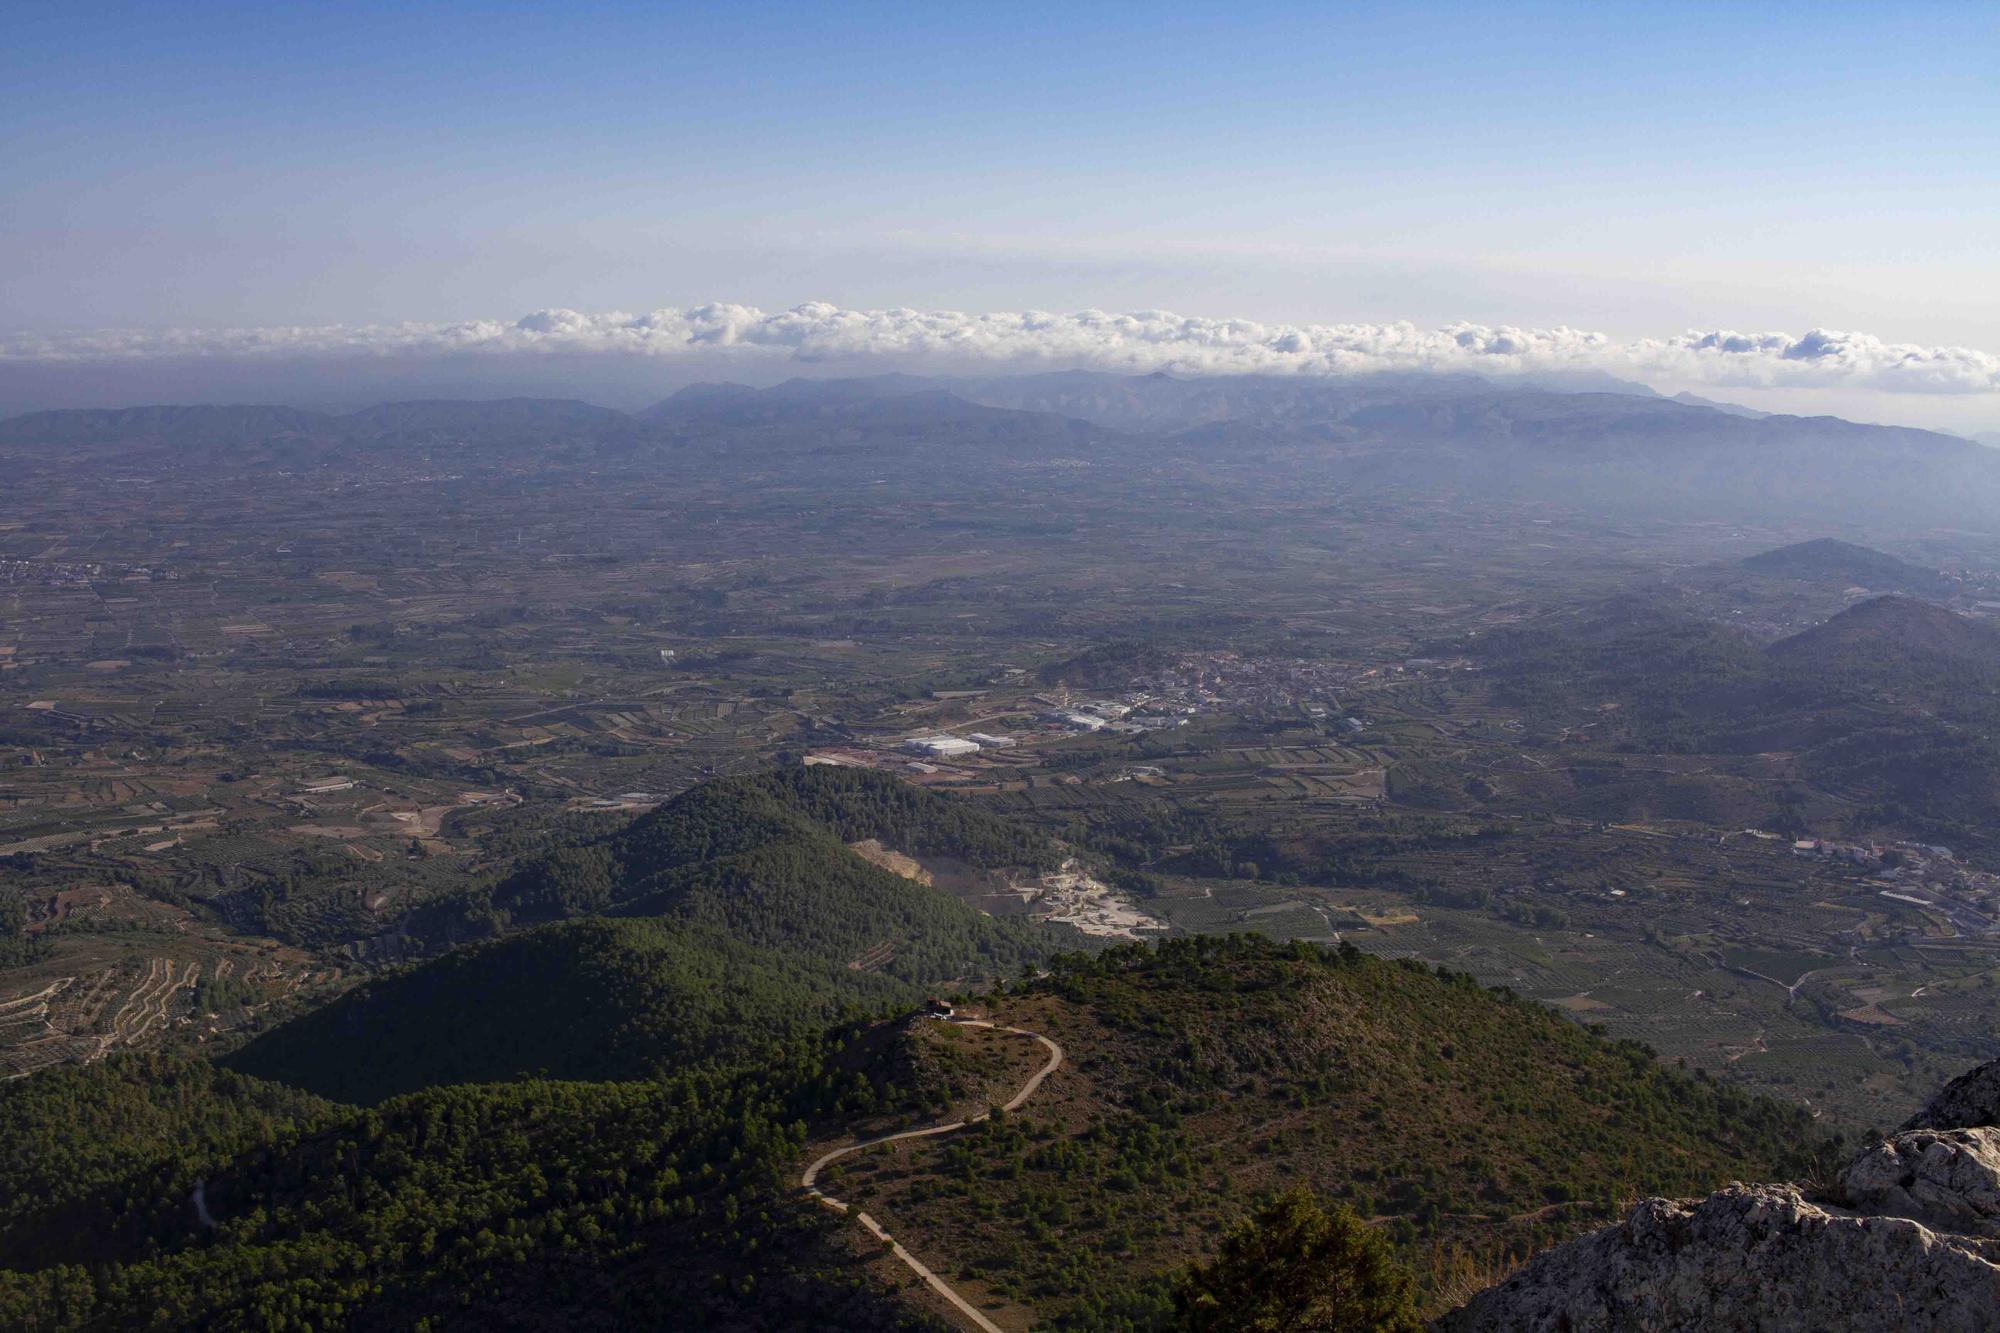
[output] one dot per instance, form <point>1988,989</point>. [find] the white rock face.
<point>1750,1257</point>
<point>1908,1237</point>
<point>1948,1179</point>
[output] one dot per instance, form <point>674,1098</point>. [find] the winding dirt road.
<point>916,1265</point>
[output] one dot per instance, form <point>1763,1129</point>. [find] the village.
<point>1189,686</point>
<point>1922,875</point>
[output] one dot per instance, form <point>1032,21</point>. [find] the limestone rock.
<point>1948,1179</point>
<point>1907,1237</point>
<point>1758,1257</point>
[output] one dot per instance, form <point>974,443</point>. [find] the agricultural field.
<point>310,712</point>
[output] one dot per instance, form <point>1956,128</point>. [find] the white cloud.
<point>1142,341</point>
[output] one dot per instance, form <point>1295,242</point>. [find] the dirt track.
<point>915,1265</point>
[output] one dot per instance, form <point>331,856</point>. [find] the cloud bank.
<point>725,335</point>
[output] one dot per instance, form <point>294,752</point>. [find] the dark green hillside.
<point>819,807</point>
<point>1892,703</point>
<point>526,1206</point>
<point>1900,700</point>
<point>1212,1072</point>
<point>765,861</point>
<point>837,908</point>
<point>1896,643</point>
<point>1201,1078</point>
<point>74,1140</point>
<point>1664,664</point>
<point>859,803</point>
<point>581,1000</point>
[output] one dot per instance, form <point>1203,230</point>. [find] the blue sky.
<point>1635,169</point>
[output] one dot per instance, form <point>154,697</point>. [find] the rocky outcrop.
<point>1968,1101</point>
<point>1906,1237</point>
<point>1947,1179</point>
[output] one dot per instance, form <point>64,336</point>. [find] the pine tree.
<point>1298,1269</point>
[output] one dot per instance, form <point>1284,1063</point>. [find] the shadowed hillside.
<point>585,1000</point>
<point>534,1205</point>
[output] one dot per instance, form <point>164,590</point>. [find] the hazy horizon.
<point>1785,209</point>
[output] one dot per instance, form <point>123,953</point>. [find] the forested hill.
<point>858,803</point>
<point>668,861</point>
<point>1898,643</point>
<point>74,1141</point>
<point>740,924</point>
<point>1832,561</point>
<point>1892,702</point>
<point>1201,1075</point>
<point>525,1206</point>
<point>692,1032</point>
<point>1210,1072</point>
<point>1664,660</point>
<point>597,999</point>
<point>598,1123</point>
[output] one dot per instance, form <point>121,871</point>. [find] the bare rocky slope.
<point>1906,1236</point>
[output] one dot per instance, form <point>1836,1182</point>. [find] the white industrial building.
<point>988,741</point>
<point>941,746</point>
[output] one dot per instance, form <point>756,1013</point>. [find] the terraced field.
<point>121,985</point>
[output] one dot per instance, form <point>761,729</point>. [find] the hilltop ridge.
<point>1205,1072</point>
<point>1894,634</point>
<point>1828,559</point>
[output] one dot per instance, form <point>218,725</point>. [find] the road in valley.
<point>916,1265</point>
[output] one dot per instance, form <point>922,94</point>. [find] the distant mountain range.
<point>1454,437</point>
<point>1733,409</point>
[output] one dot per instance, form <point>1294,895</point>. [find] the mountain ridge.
<point>1455,438</point>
